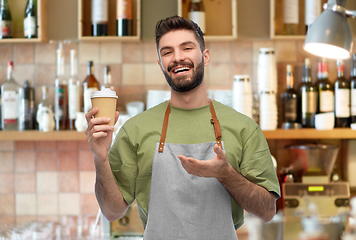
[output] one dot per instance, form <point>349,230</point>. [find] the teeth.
<point>181,69</point>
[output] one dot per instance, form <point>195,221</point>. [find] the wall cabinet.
<point>85,26</point>
<point>17,9</point>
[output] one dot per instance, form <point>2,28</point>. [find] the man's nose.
<point>178,56</point>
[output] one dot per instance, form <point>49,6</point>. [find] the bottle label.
<point>309,102</point>
<point>290,111</point>
<point>291,11</point>
<point>87,99</point>
<point>5,28</point>
<point>353,102</point>
<point>124,9</point>
<point>29,25</point>
<point>73,100</point>
<point>59,101</point>
<point>326,101</point>
<point>198,18</point>
<point>342,103</point>
<point>99,11</point>
<point>9,107</point>
<point>312,10</point>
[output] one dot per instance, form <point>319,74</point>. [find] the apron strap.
<point>214,120</point>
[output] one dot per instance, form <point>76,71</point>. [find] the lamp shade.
<point>329,36</point>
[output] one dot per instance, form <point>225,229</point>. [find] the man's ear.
<point>206,56</point>
<point>160,64</point>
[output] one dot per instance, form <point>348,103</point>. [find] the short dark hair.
<point>164,26</point>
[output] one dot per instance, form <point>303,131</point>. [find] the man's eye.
<point>166,53</point>
<point>188,48</point>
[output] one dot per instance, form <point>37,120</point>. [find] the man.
<point>192,164</point>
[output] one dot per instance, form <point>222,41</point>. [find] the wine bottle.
<point>353,88</point>
<point>342,98</point>
<point>290,16</point>
<point>60,94</point>
<point>289,100</point>
<point>312,11</point>
<point>99,17</point>
<point>107,79</point>
<point>27,107</point>
<point>308,95</point>
<point>124,18</point>
<point>30,20</point>
<point>9,101</point>
<point>196,13</point>
<point>90,85</point>
<point>5,20</point>
<point>325,89</point>
<point>73,90</point>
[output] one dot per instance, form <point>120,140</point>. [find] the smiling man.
<point>192,164</point>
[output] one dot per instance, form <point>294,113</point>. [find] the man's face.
<point>181,60</point>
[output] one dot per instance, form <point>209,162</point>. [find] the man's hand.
<point>98,134</point>
<point>209,168</point>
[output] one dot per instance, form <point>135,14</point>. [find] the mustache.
<point>182,63</point>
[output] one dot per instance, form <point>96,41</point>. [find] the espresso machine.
<point>312,165</point>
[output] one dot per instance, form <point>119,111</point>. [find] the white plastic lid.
<point>105,92</point>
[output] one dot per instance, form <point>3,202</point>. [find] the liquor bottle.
<point>325,89</point>
<point>60,94</point>
<point>90,85</point>
<point>290,16</point>
<point>99,17</point>
<point>312,11</point>
<point>73,90</point>
<point>5,20</point>
<point>30,20</point>
<point>289,100</point>
<point>107,79</point>
<point>353,88</point>
<point>45,102</point>
<point>308,95</point>
<point>196,13</point>
<point>27,107</point>
<point>9,101</point>
<point>124,18</point>
<point>342,98</point>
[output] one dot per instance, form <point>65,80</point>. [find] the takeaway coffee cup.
<point>105,100</point>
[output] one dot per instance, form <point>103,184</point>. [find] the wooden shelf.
<point>279,134</point>
<point>17,9</point>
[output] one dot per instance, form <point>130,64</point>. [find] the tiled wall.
<point>45,180</point>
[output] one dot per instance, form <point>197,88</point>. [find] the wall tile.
<point>67,145</point>
<point>219,52</point>
<point>47,161</point>
<point>89,204</point>
<point>241,51</point>
<point>153,74</point>
<point>6,162</point>
<point>25,72</point>
<point>132,74</point>
<point>116,72</point>
<point>6,53</point>
<point>132,53</point>
<point>69,203</point>
<point>24,53</point>
<point>83,145</point>
<point>25,145</point>
<point>86,160</point>
<point>25,182</point>
<point>69,181</point>
<point>88,52</point>
<point>7,220</point>
<point>133,93</point>
<point>25,161</point>
<point>87,181</point>
<point>46,74</point>
<point>3,73</point>
<point>48,218</point>
<point>47,182</point>
<point>241,69</point>
<point>7,145</point>
<point>68,160</point>
<point>66,49</point>
<point>7,183</point>
<point>45,53</point>
<point>256,45</point>
<point>46,145</point>
<point>47,204</point>
<point>110,53</point>
<point>150,52</point>
<point>219,74</point>
<point>7,205</point>
<point>23,219</point>
<point>286,51</point>
<point>26,204</point>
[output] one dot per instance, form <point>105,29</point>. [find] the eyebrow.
<point>182,44</point>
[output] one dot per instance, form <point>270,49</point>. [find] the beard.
<point>184,83</point>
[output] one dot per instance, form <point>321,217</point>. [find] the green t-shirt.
<point>132,153</point>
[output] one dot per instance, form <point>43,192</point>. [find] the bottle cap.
<point>105,92</point>
<point>10,63</point>
<point>307,61</point>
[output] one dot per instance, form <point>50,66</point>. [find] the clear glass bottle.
<point>99,17</point>
<point>73,90</point>
<point>353,88</point>
<point>30,19</point>
<point>27,107</point>
<point>60,94</point>
<point>196,13</point>
<point>308,95</point>
<point>289,100</point>
<point>342,98</point>
<point>5,20</point>
<point>107,79</point>
<point>45,102</point>
<point>290,17</point>
<point>90,85</point>
<point>124,18</point>
<point>9,101</point>
<point>325,89</point>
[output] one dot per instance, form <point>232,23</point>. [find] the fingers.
<point>116,116</point>
<point>219,152</point>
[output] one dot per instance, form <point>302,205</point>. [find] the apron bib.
<point>183,206</point>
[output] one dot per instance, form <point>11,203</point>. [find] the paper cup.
<point>105,100</point>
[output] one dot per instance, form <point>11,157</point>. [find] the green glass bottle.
<point>5,20</point>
